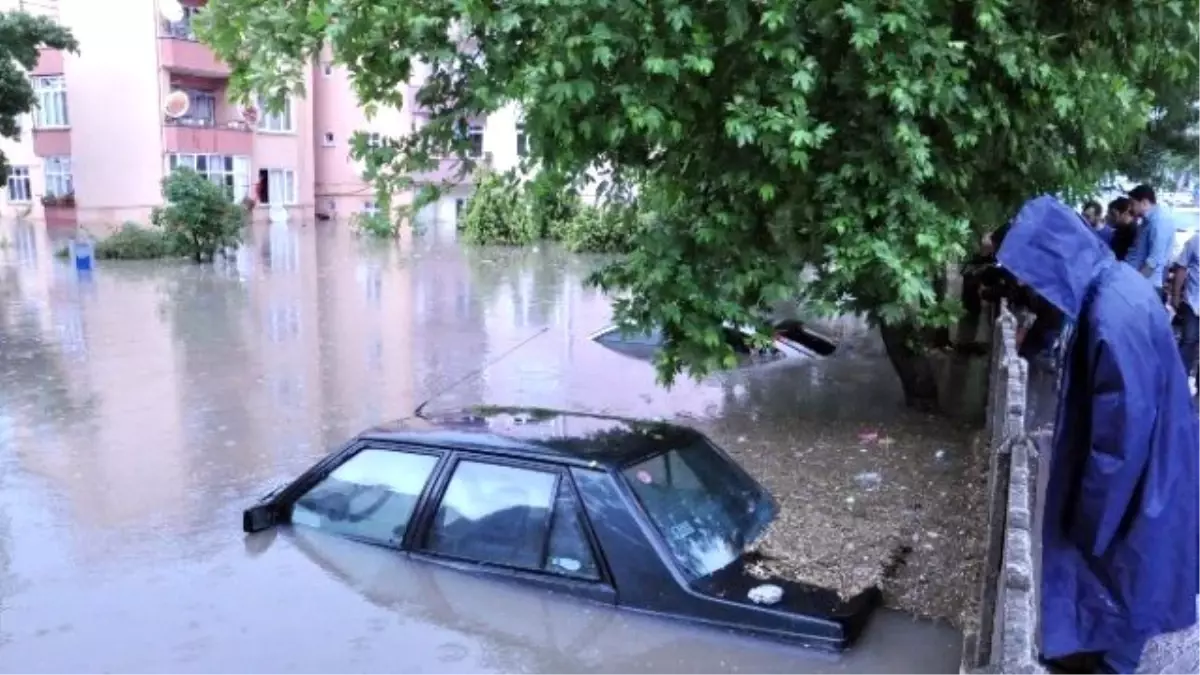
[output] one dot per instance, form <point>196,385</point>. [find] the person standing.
<point>1120,222</point>
<point>1185,298</point>
<point>1153,246</point>
<point>1093,213</point>
<point>1120,563</point>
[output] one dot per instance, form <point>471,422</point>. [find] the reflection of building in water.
<point>449,333</point>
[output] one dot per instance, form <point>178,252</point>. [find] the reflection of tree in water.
<point>31,366</point>
<point>548,267</point>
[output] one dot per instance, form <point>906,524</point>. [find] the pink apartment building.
<point>96,149</point>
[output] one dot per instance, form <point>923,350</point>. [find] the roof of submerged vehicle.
<point>582,439</point>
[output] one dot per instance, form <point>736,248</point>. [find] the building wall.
<point>118,143</point>
<point>114,98</point>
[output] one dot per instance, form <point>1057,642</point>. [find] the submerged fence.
<point>1005,641</point>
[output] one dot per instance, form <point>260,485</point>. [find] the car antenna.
<point>478,370</point>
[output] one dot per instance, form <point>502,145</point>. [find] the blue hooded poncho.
<point>1120,529</point>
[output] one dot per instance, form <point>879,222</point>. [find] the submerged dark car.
<point>644,515</point>
<point>791,339</point>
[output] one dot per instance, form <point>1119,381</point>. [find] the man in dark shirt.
<point>1120,221</point>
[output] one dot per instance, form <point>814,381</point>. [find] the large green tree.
<point>22,35</point>
<point>857,141</point>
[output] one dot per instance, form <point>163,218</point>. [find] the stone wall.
<point>1005,641</point>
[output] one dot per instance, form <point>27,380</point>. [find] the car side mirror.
<point>259,517</point>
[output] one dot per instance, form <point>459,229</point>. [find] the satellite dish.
<point>171,10</point>
<point>176,104</point>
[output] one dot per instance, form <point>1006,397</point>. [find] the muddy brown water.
<point>144,405</point>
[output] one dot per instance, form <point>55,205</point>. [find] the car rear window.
<point>703,505</point>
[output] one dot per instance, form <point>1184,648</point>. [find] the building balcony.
<point>179,52</point>
<point>54,142</point>
<point>59,211</point>
<point>202,136</point>
<point>50,62</point>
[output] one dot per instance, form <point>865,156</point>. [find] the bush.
<point>378,225</point>
<point>199,218</point>
<point>133,242</point>
<point>602,229</point>
<point>498,212</point>
<point>553,202</point>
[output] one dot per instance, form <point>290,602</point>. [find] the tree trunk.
<point>905,349</point>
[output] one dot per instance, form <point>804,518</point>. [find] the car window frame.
<point>602,588</point>
<point>286,499</point>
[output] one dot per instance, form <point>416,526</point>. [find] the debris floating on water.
<point>766,594</point>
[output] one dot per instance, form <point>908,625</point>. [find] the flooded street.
<point>144,405</point>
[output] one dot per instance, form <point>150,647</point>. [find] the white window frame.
<point>234,175</point>
<point>370,208</point>
<point>474,130</point>
<point>281,185</point>
<point>20,188</point>
<point>282,122</point>
<point>522,140</point>
<point>50,93</point>
<point>59,181</point>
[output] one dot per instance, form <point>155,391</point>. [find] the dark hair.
<point>1091,205</point>
<point>1120,205</point>
<point>1143,192</point>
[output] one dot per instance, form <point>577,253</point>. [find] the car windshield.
<point>704,506</point>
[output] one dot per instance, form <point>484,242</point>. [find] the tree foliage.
<point>864,139</point>
<point>198,217</point>
<point>22,35</point>
<point>497,212</point>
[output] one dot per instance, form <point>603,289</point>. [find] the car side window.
<point>371,496</point>
<point>512,516</point>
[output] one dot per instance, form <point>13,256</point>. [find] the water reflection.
<point>144,407</point>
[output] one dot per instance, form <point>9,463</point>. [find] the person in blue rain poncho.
<point>1120,528</point>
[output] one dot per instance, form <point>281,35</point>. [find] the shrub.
<point>553,202</point>
<point>375,225</point>
<point>199,218</point>
<point>133,242</point>
<point>609,228</point>
<point>498,212</point>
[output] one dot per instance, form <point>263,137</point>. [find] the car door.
<point>370,495</point>
<point>517,519</point>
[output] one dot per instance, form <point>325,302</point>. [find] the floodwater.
<point>144,405</point>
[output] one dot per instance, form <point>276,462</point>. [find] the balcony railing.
<point>181,30</point>
<point>207,123</point>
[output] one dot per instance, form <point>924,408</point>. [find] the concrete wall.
<point>1005,640</point>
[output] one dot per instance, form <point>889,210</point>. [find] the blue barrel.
<point>83,251</point>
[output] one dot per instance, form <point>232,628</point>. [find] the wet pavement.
<point>143,405</point>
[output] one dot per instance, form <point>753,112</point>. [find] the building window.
<point>202,109</point>
<point>374,139</point>
<point>231,172</point>
<point>475,140</point>
<point>19,188</point>
<point>58,177</point>
<point>370,208</point>
<point>277,122</point>
<point>522,141</point>
<point>277,186</point>
<point>51,95</point>
<point>327,68</point>
<point>328,139</point>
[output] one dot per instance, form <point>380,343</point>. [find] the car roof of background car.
<point>581,439</point>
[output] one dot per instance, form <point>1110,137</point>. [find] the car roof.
<point>579,439</point>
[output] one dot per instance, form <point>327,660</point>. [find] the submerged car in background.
<point>642,515</point>
<point>791,340</point>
